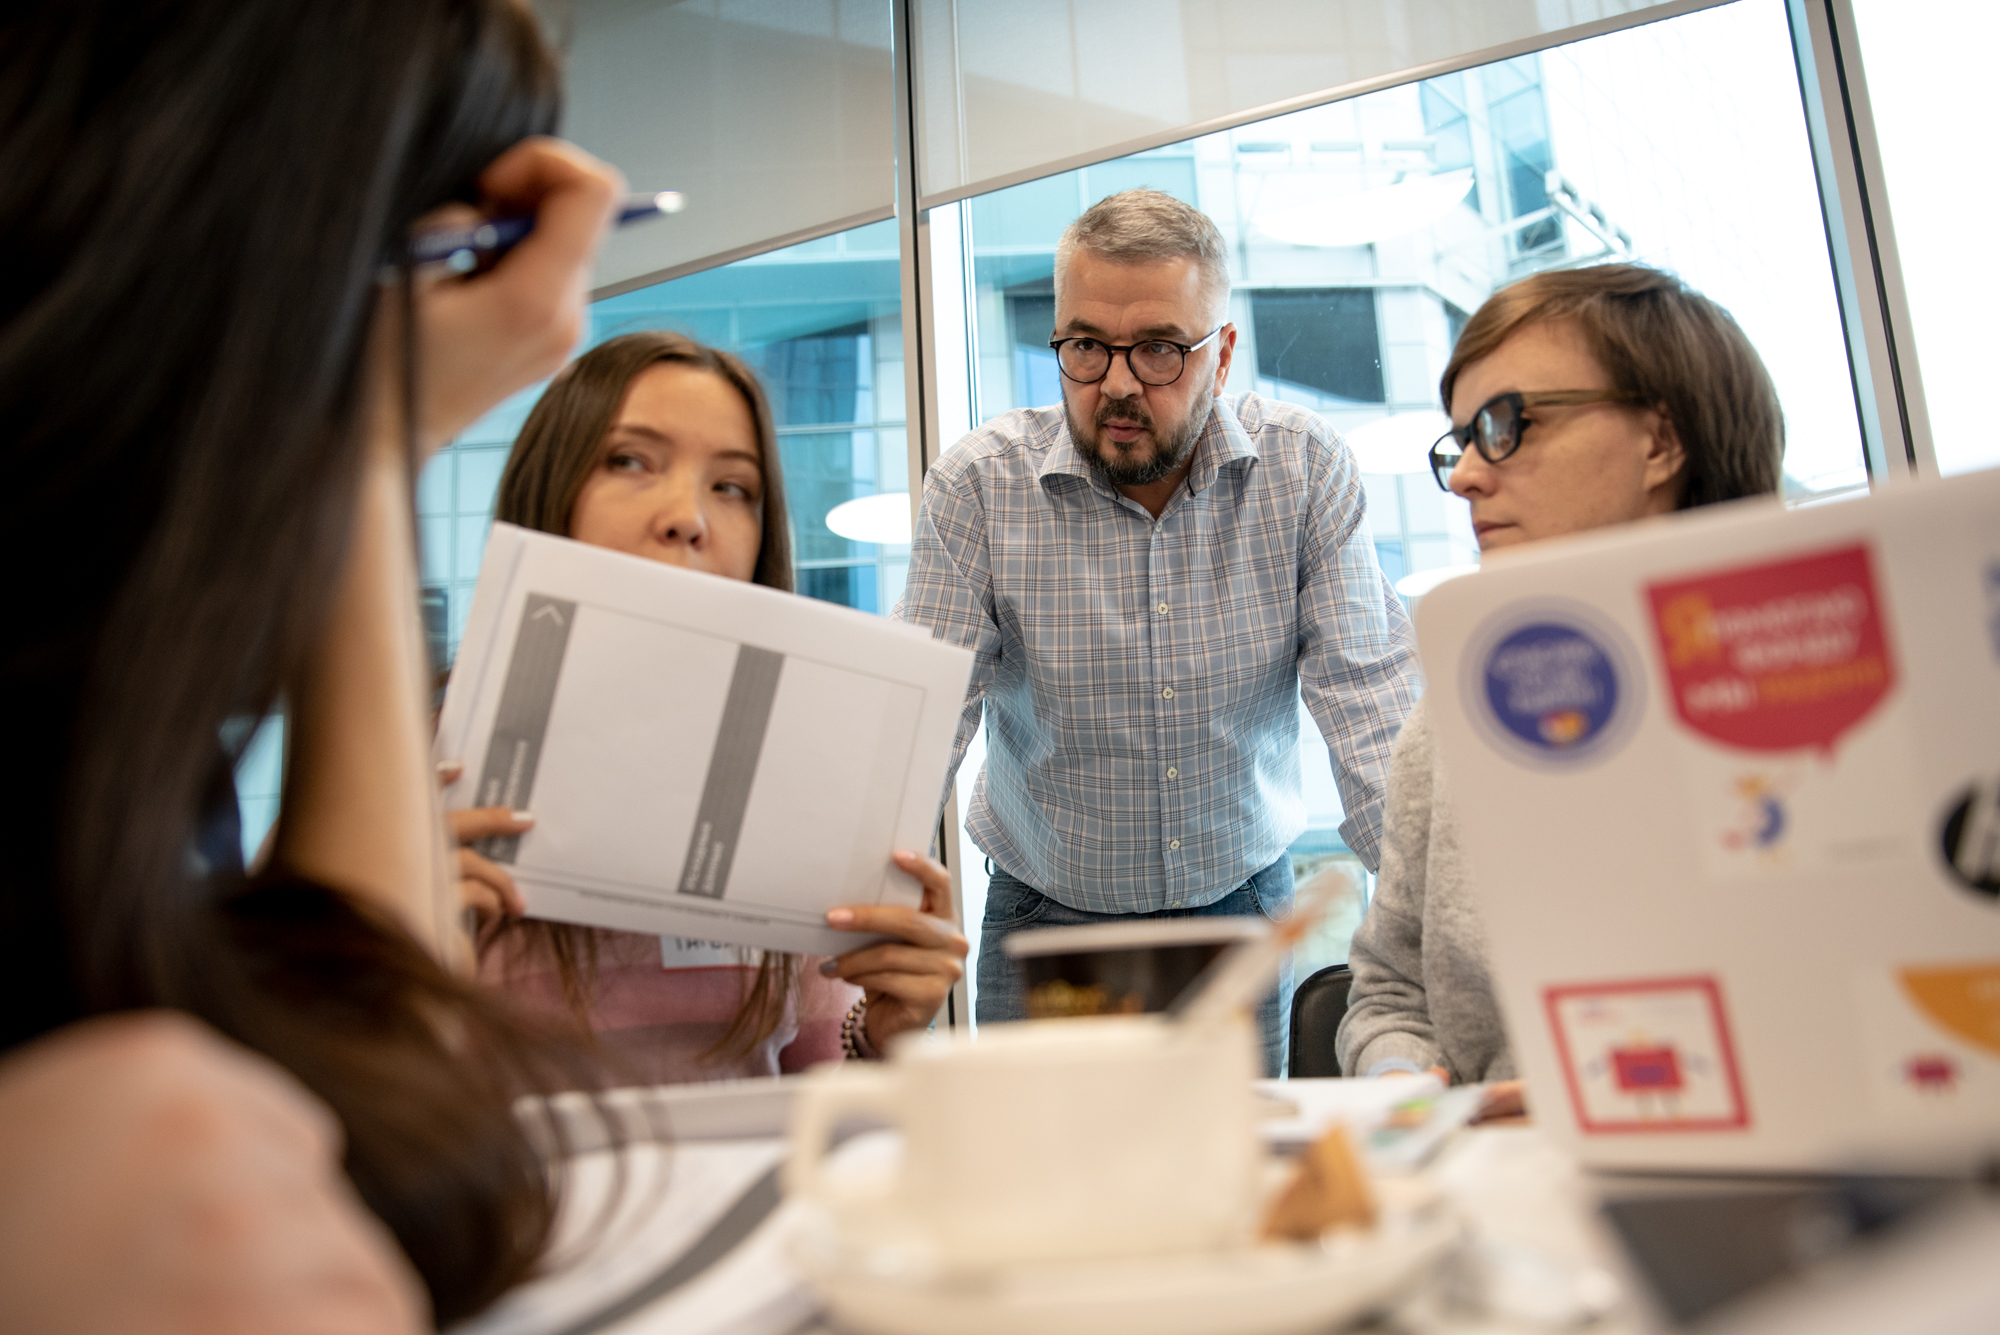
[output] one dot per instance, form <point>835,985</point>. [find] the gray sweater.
<point>1422,993</point>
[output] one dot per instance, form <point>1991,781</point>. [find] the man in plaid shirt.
<point>1150,575</point>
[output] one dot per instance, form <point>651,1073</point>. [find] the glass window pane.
<point>773,119</point>
<point>1005,86</point>
<point>260,777</point>
<point>1318,342</point>
<point>1361,233</point>
<point>1925,90</point>
<point>821,324</point>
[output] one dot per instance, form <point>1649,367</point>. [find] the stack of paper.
<point>704,758</point>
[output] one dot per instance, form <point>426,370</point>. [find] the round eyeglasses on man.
<point>1156,361</point>
<point>1496,429</point>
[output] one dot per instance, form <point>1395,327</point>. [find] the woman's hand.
<point>905,980</point>
<point>483,885</point>
<point>1503,1101</point>
<point>485,336</point>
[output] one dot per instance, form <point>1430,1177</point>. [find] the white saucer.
<point>1281,1289</point>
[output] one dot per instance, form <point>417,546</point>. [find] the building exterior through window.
<point>1361,234</point>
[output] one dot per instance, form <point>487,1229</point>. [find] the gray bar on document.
<point>746,712</point>
<point>522,719</point>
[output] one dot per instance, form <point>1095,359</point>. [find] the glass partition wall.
<point>1362,233</point>
<point>821,324</point>
<point>877,240</point>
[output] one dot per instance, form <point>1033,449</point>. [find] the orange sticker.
<point>1963,1001</point>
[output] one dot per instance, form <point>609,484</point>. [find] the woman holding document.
<point>654,445</point>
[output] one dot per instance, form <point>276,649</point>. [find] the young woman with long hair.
<point>658,446</point>
<point>218,377</point>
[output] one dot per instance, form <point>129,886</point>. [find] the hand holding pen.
<point>480,245</point>
<point>486,335</point>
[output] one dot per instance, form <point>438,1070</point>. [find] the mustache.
<point>1124,410</point>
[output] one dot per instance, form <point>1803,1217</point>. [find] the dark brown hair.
<point>1664,344</point>
<point>201,196</point>
<point>559,447</point>
<point>562,441</point>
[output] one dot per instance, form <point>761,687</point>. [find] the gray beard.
<point>1172,446</point>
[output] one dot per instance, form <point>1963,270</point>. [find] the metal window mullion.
<point>1882,355</point>
<point>920,382</point>
<point>1920,450</point>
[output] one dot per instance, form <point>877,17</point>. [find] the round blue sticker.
<point>1553,686</point>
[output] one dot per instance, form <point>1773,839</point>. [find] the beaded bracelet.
<point>854,1034</point>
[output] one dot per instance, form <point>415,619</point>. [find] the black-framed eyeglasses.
<point>1157,361</point>
<point>1495,430</point>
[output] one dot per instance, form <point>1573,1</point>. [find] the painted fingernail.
<point>449,768</point>
<point>839,917</point>
<point>522,817</point>
<point>828,968</point>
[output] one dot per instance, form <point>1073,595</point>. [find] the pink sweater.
<point>662,1003</point>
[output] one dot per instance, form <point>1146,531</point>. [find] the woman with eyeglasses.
<point>1580,399</point>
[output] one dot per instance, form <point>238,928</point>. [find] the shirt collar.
<point>1223,441</point>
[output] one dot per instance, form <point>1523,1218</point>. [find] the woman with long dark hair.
<point>218,377</point>
<point>658,446</point>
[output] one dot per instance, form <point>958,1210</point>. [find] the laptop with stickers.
<point>1729,785</point>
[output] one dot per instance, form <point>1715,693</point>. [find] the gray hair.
<point>1139,226</point>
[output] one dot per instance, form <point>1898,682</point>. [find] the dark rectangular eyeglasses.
<point>1495,430</point>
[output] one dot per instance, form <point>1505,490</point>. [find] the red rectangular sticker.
<point>1779,656</point>
<point>1648,1055</point>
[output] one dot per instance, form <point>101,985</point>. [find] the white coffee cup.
<point>1044,1140</point>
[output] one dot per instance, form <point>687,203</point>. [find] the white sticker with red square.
<point>1930,1040</point>
<point>1648,1055</point>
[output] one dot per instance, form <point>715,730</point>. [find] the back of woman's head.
<point>1664,344</point>
<point>560,443</point>
<point>200,196</point>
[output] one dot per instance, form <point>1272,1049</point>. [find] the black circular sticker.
<point>1971,838</point>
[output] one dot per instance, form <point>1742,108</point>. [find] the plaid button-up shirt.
<point>1140,679</point>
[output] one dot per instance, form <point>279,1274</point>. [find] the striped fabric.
<point>1140,679</point>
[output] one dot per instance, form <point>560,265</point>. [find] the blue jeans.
<point>1013,906</point>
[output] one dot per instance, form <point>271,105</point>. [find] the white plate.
<point>1288,1289</point>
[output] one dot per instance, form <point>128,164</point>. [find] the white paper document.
<point>705,758</point>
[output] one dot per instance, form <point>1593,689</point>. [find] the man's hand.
<point>905,980</point>
<point>157,1179</point>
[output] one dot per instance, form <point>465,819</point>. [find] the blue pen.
<point>463,249</point>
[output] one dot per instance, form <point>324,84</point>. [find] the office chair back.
<point>1317,1008</point>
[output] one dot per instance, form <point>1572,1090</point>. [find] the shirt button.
<point>1157,528</point>
<point>1161,609</point>
<point>1173,843</point>
<point>1173,773</point>
<point>1167,694</point>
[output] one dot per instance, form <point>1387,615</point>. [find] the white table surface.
<point>1537,1256</point>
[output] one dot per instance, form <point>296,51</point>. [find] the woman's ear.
<point>1666,463</point>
